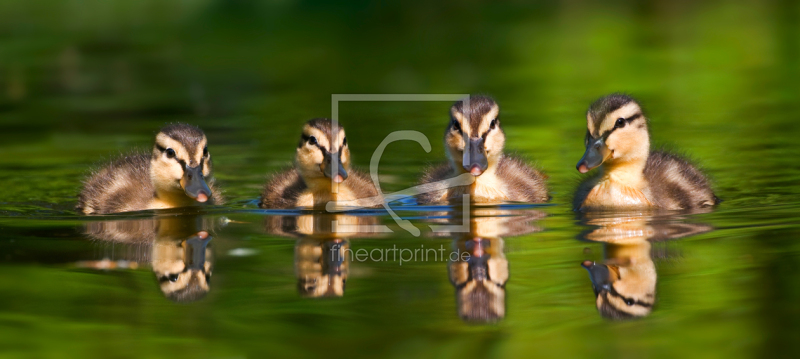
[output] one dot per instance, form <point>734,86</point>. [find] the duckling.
<point>632,176</point>
<point>315,179</point>
<point>474,142</point>
<point>173,175</point>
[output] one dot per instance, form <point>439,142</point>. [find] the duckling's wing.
<point>677,184</point>
<point>431,174</point>
<point>121,186</point>
<point>523,182</point>
<point>282,190</point>
<point>360,183</point>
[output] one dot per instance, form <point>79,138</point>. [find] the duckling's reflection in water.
<point>320,255</point>
<point>176,247</point>
<point>478,268</point>
<point>321,267</point>
<point>625,283</point>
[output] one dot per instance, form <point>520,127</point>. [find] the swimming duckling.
<point>474,142</point>
<point>173,175</point>
<point>632,176</point>
<point>315,180</point>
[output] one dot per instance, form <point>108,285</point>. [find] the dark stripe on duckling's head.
<point>325,126</point>
<point>620,123</point>
<point>189,136</point>
<point>479,107</point>
<point>608,104</point>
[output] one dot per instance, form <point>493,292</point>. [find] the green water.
<point>81,82</point>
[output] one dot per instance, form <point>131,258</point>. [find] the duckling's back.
<point>523,182</point>
<point>123,185</point>
<point>282,190</point>
<point>677,184</point>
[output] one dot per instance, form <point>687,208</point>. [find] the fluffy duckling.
<point>172,175</point>
<point>474,142</point>
<point>632,176</point>
<point>315,179</point>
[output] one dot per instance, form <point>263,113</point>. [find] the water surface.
<point>84,83</point>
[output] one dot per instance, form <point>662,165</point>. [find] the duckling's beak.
<point>474,160</point>
<point>194,184</point>
<point>327,167</point>
<point>599,274</point>
<point>596,153</point>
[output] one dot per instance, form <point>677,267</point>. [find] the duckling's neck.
<point>321,191</point>
<point>171,199</point>
<point>621,185</point>
<point>628,173</point>
<point>488,187</point>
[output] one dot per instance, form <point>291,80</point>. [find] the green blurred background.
<point>84,80</point>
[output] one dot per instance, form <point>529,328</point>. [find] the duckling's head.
<point>181,162</point>
<point>474,139</point>
<point>616,133</point>
<point>322,154</point>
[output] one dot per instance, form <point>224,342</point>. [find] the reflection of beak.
<point>194,184</point>
<point>594,156</point>
<point>474,160</point>
<point>195,250</point>
<point>327,167</point>
<point>599,274</point>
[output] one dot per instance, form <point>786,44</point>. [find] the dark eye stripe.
<point>627,121</point>
<point>305,138</point>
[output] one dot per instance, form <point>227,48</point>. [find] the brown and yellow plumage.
<point>140,180</point>
<point>474,141</point>
<point>632,177</point>
<point>314,181</point>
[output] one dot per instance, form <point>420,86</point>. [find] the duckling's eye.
<point>170,153</point>
<point>205,151</point>
<point>456,126</point>
<point>629,302</point>
<point>620,123</point>
<point>312,140</point>
<point>344,142</point>
<point>173,278</point>
<point>493,124</point>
